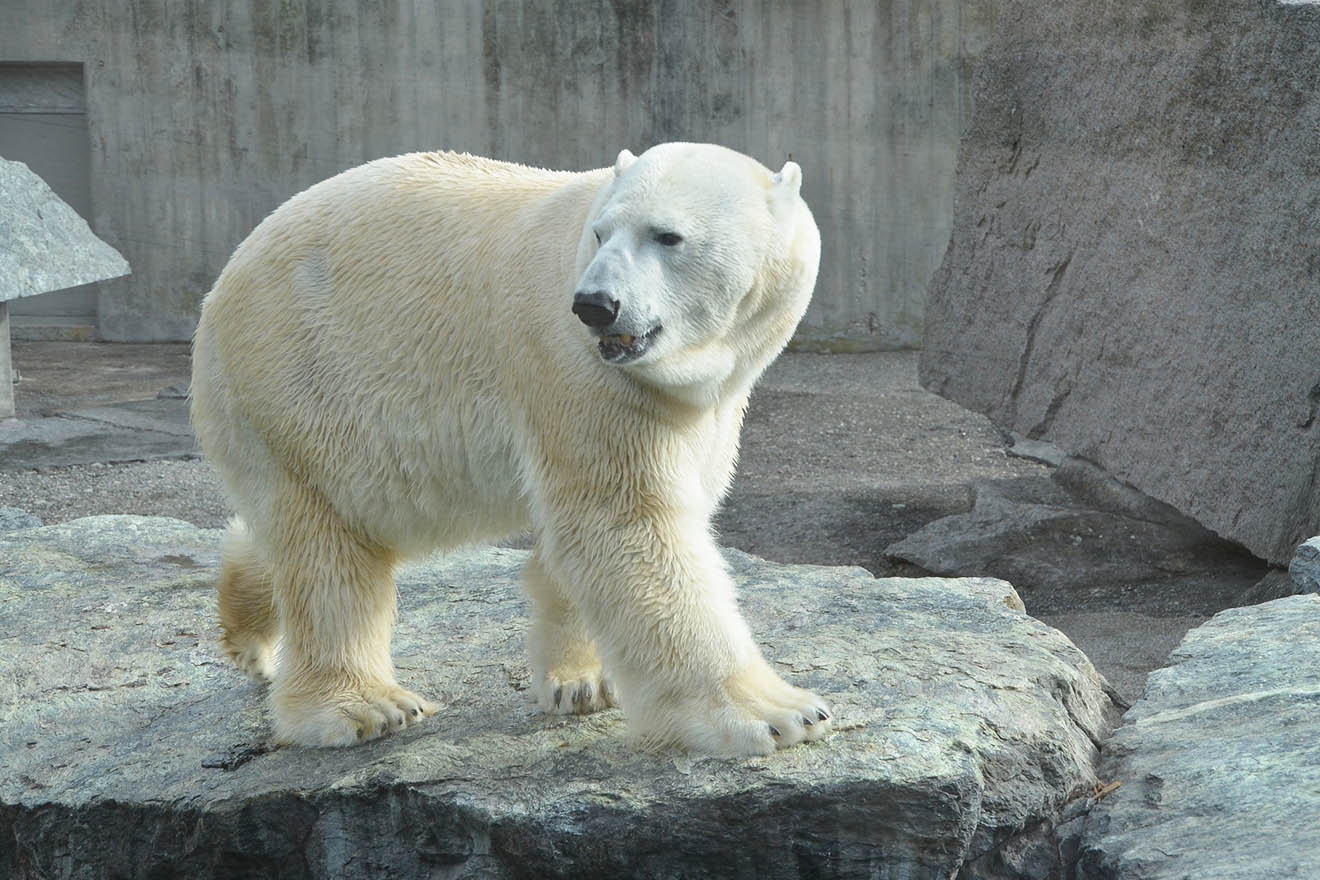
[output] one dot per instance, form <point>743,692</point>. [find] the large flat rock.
<point>129,748</point>
<point>1133,272</point>
<point>1220,759</point>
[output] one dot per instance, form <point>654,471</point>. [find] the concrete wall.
<point>205,115</point>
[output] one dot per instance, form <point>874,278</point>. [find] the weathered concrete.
<point>128,748</point>
<point>62,377</point>
<point>1220,760</point>
<point>207,116</point>
<point>1133,271</point>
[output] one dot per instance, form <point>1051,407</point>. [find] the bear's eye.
<point>669,239</point>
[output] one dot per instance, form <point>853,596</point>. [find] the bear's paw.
<point>348,718</point>
<point>252,655</point>
<point>755,712</point>
<point>576,692</point>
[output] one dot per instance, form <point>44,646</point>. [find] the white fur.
<point>389,364</point>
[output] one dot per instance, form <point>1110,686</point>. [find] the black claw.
<point>586,695</point>
<point>822,715</point>
<point>806,722</point>
<point>559,695</point>
<point>415,711</point>
<point>774,731</point>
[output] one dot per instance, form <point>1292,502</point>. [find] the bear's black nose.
<point>595,309</point>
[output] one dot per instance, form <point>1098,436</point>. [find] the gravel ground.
<point>187,490</point>
<point>843,455</point>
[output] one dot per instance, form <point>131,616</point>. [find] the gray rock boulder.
<point>1301,576</point>
<point>1133,273</point>
<point>1305,567</point>
<point>44,244</point>
<point>1220,759</point>
<point>967,734</point>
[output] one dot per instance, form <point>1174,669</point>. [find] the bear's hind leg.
<point>567,675</point>
<point>335,592</point>
<point>247,610</point>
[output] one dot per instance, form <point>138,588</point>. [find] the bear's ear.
<point>624,162</point>
<point>788,180</point>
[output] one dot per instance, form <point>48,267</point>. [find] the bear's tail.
<point>247,604</point>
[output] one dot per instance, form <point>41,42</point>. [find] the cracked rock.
<point>1220,759</point>
<point>1132,273</point>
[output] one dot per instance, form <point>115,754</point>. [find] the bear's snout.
<point>595,309</point>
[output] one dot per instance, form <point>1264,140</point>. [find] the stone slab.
<point>141,430</point>
<point>1125,578</point>
<point>44,244</point>
<point>1133,273</point>
<point>128,747</point>
<point>1064,552</point>
<point>1220,759</point>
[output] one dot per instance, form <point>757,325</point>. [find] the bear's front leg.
<point>657,596</point>
<point>567,676</point>
<point>335,596</point>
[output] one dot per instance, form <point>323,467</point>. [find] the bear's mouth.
<point>620,348</point>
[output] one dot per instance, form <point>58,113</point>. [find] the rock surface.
<point>1091,549</point>
<point>1133,273</point>
<point>140,430</point>
<point>128,748</point>
<point>13,518</point>
<point>1305,567</point>
<point>1220,759</point>
<point>1069,554</point>
<point>46,244</point>
<point>1301,576</point>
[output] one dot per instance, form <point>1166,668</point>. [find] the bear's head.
<point>695,266</point>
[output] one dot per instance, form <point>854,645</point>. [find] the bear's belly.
<point>451,481</point>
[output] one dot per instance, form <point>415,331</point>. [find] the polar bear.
<point>437,349</point>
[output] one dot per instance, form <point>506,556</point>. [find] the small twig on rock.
<point>1104,789</point>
